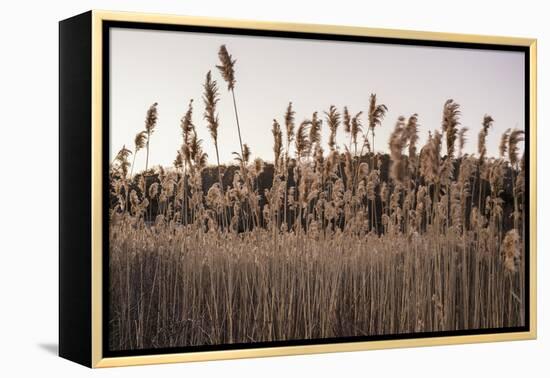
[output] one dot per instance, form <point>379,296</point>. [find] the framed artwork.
<point>236,189</point>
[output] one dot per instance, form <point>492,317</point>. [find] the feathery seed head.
<point>277,142</point>
<point>246,153</point>
<point>139,140</point>
<point>412,134</point>
<point>258,166</point>
<point>315,130</point>
<point>151,118</point>
<point>153,190</point>
<point>376,113</point>
<point>347,120</point>
<point>482,136</point>
<point>302,142</point>
<point>510,251</point>
<point>186,123</point>
<point>178,161</point>
<point>356,126</point>
<point>516,136</point>
<point>211,98</point>
<point>461,140</point>
<point>450,124</point>
<point>289,123</point>
<point>227,67</point>
<point>503,145</point>
<point>333,121</point>
<point>398,140</point>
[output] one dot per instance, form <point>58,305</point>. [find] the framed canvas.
<point>236,189</point>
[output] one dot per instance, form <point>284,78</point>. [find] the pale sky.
<point>169,68</point>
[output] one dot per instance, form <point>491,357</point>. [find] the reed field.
<point>314,242</point>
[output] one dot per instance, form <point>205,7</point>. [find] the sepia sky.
<point>170,68</point>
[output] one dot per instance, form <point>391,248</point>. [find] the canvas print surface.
<point>269,189</point>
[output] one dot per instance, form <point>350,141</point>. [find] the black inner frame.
<point>107,25</point>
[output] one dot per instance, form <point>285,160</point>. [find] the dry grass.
<point>339,243</point>
<point>177,286</point>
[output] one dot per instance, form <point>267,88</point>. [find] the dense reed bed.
<point>315,244</point>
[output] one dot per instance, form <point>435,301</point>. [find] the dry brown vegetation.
<point>344,242</point>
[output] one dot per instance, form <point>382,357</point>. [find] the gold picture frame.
<point>89,329</point>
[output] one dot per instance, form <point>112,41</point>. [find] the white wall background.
<point>28,152</point>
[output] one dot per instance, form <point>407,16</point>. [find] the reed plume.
<point>377,112</point>
<point>186,153</point>
<point>398,141</point>
<point>516,136</point>
<point>482,137</point>
<point>333,121</point>
<point>289,125</point>
<point>227,67</point>
<point>246,153</point>
<point>302,141</point>
<point>356,128</point>
<point>153,190</point>
<point>258,166</point>
<point>482,151</point>
<point>186,123</point>
<point>243,158</point>
<point>503,145</point>
<point>150,123</point>
<point>179,160</point>
<point>277,143</point>
<point>139,143</point>
<point>450,124</point>
<point>461,140</point>
<point>519,186</point>
<point>210,99</point>
<point>411,131</point>
<point>346,121</point>
<point>121,161</point>
<point>194,146</point>
<point>139,140</point>
<point>199,157</point>
<point>510,251</point>
<point>315,131</point>
<point>227,70</point>
<point>430,158</point>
